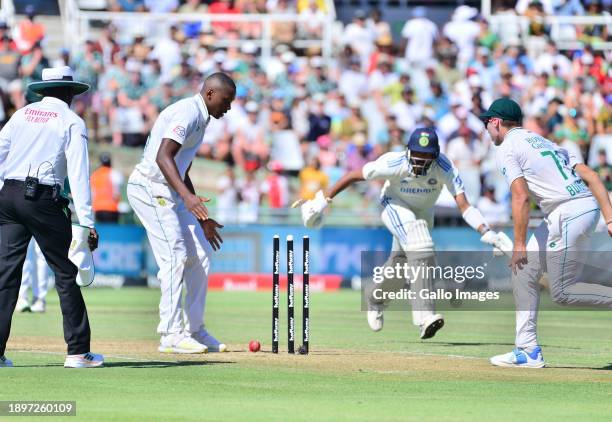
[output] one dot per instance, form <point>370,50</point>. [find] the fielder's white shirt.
<point>418,193</point>
<point>49,141</point>
<point>184,122</point>
<point>546,167</point>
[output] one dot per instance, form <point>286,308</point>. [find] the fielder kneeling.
<point>413,183</point>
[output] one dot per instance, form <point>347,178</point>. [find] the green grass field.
<point>351,374</point>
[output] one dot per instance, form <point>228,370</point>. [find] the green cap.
<point>505,109</point>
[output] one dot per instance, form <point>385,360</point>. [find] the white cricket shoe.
<point>5,362</point>
<point>85,360</point>
<point>39,306</point>
<point>431,326</point>
<point>214,345</point>
<point>519,358</point>
<point>376,319</point>
<point>179,343</point>
<point>22,305</point>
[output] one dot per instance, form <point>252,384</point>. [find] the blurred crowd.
<point>300,121</point>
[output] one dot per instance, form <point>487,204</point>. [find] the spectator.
<point>353,82</point>
<point>131,99</point>
<point>318,81</point>
<point>249,148</point>
<point>466,151</point>
<point>275,187</point>
<point>312,179</point>
<point>10,61</point>
<point>32,64</point>
<point>285,145</point>
<point>283,32</point>
<point>161,6</point>
<point>406,111</point>
<point>353,123</point>
<point>604,169</point>
<point>463,31</point>
<point>377,26</point>
<point>220,28</point>
<point>419,34</point>
<point>319,123</point>
<point>569,8</point>
<point>447,72</point>
<point>106,183</point>
<point>29,33</point>
<point>487,38</point>
<point>249,198</point>
<point>358,37</point>
<point>553,117</point>
<point>87,64</point>
<point>193,6</point>
<point>494,213</point>
<point>358,153</point>
<point>168,52</point>
<point>314,18</point>
<point>127,5</point>
<point>227,198</point>
<point>546,62</point>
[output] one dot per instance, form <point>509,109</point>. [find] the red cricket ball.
<point>254,346</point>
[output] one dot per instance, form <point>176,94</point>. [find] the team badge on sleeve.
<point>180,131</point>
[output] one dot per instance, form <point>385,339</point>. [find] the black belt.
<point>21,183</point>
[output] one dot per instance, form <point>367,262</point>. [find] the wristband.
<point>474,218</point>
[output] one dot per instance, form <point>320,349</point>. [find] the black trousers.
<point>49,222</point>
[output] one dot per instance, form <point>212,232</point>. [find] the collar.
<point>54,101</point>
<point>202,106</point>
<point>508,133</point>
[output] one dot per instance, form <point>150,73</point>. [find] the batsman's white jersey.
<point>177,239</point>
<point>560,243</point>
<point>406,198</point>
<point>417,194</point>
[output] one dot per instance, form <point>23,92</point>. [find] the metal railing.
<point>78,26</point>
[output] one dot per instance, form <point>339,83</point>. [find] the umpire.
<point>40,145</point>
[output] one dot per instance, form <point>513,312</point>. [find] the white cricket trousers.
<point>559,246</point>
<point>181,252</point>
<point>394,216</point>
<point>35,274</point>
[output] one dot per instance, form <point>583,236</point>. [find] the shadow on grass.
<point>478,344</point>
<point>608,367</point>
<point>139,365</point>
<point>162,364</point>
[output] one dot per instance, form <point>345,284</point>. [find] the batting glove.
<point>502,245</point>
<point>312,209</point>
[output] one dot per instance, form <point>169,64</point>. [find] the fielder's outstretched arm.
<point>598,190</point>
